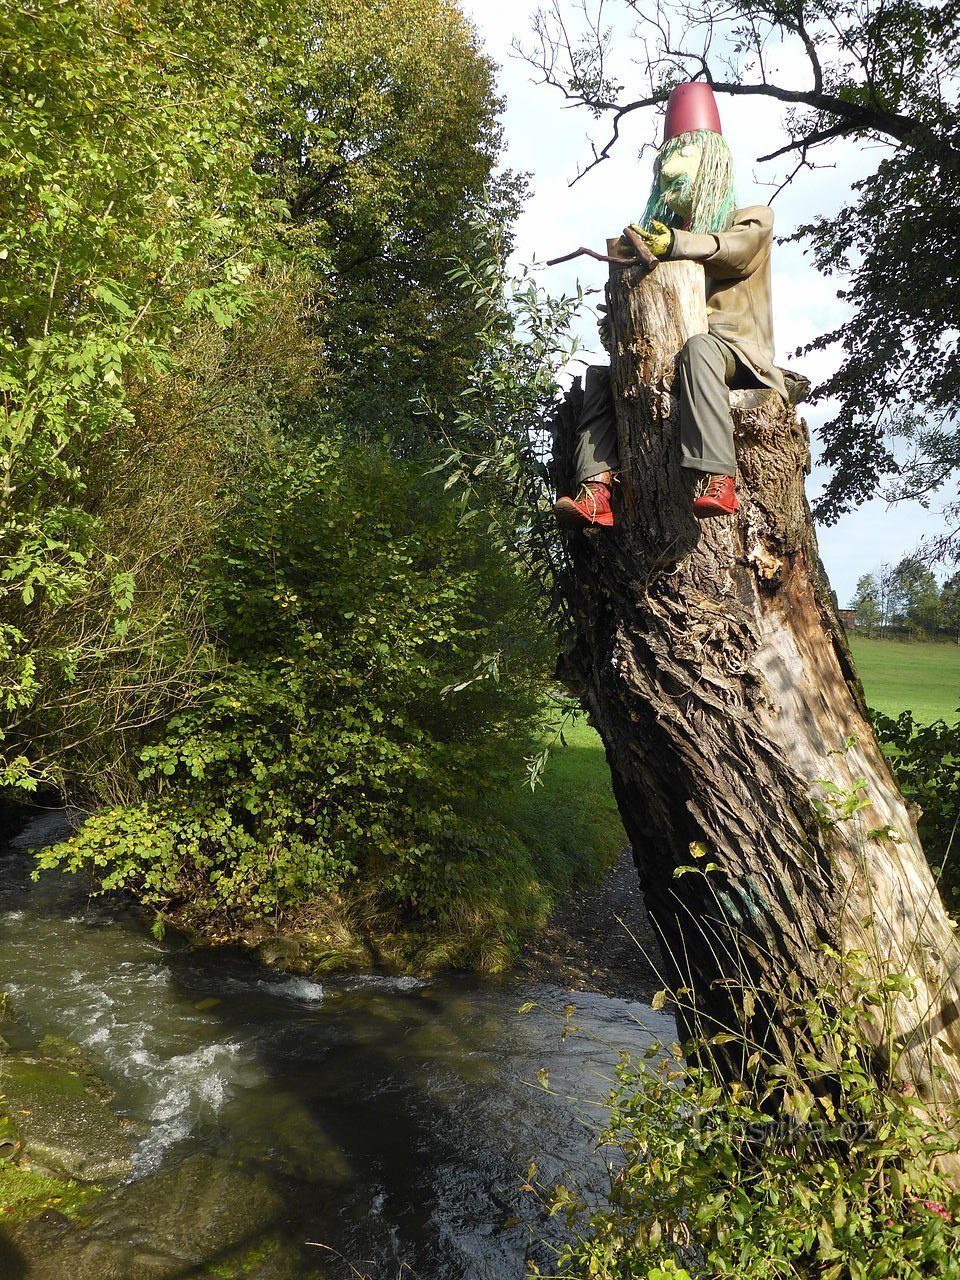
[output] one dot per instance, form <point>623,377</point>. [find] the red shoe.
<point>717,498</point>
<point>591,506</point>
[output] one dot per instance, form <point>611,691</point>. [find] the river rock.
<point>271,1260</point>
<point>279,951</point>
<point>53,1248</point>
<point>47,1249</point>
<point>61,1047</point>
<point>64,1119</point>
<point>6,1008</point>
<point>201,1209</point>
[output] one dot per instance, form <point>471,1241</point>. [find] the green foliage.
<point>914,597</point>
<point>895,70</point>
<point>866,602</point>
<point>800,1168</point>
<point>926,760</point>
<point>343,731</point>
<point>383,154</point>
<point>250,158</point>
<point>950,606</point>
<point>785,1140</point>
<point>129,204</point>
<point>276,664</point>
<point>498,432</point>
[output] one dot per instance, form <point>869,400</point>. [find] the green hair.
<point>713,200</point>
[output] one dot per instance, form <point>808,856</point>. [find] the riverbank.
<point>599,939</point>
<point>277,1127</point>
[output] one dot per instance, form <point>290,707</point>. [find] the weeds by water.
<point>820,1163</point>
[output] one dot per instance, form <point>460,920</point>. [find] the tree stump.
<point>712,661</point>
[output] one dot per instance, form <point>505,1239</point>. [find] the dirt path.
<point>588,946</point>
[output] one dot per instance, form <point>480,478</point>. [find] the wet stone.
<point>60,1250</point>
<point>57,1250</point>
<point>59,1047</point>
<point>279,950</point>
<point>203,1208</point>
<point>64,1120</point>
<point>271,1260</point>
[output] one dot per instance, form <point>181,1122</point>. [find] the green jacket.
<point>737,266</point>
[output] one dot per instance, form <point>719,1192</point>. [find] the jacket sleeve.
<point>732,254</point>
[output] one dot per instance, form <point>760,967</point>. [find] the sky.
<point>551,142</point>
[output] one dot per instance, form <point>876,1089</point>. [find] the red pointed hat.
<point>690,107</point>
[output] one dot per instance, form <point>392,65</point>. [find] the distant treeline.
<point>906,599</point>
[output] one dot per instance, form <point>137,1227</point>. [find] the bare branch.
<point>811,49</point>
<point>804,144</point>
<point>672,64</point>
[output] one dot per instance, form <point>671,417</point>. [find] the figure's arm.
<point>731,254</point>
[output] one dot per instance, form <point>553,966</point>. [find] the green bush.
<point>813,1167</point>
<point>378,677</point>
<point>125,216</point>
<point>926,760</point>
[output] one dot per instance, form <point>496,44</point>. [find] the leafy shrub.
<point>309,163</point>
<point>124,217</point>
<point>379,670</point>
<point>926,760</point>
<point>808,1168</point>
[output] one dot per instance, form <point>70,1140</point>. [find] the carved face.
<point>693,183</point>
<point>678,173</point>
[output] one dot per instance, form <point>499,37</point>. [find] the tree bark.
<point>717,672</point>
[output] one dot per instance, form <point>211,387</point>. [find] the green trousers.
<point>707,369</point>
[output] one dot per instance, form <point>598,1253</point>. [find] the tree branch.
<point>850,117</point>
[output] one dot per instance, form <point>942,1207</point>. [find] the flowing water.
<point>394,1118</point>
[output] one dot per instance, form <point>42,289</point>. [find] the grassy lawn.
<point>922,677</point>
<point>571,823</point>
<point>573,812</point>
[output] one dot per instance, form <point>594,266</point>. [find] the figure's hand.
<point>603,328</point>
<point>659,240</point>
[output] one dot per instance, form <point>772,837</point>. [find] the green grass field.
<point>572,817</point>
<point>920,677</point>
<point>573,810</point>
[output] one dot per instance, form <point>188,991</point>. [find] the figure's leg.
<point>707,367</point>
<point>597,455</point>
<point>597,449</point>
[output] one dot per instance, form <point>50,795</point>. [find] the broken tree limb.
<point>643,252</point>
<point>714,666</point>
<point>584,252</point>
<point>641,257</point>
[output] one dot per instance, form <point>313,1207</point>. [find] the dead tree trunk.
<point>718,675</point>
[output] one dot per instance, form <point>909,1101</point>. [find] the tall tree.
<point>950,604</point>
<point>383,154</point>
<point>740,746</point>
<point>866,602</point>
<point>129,215</point>
<point>244,236</point>
<point>878,72</point>
<point>915,596</point>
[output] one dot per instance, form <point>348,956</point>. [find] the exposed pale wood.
<point>719,677</point>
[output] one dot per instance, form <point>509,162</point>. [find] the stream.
<point>362,1125</point>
